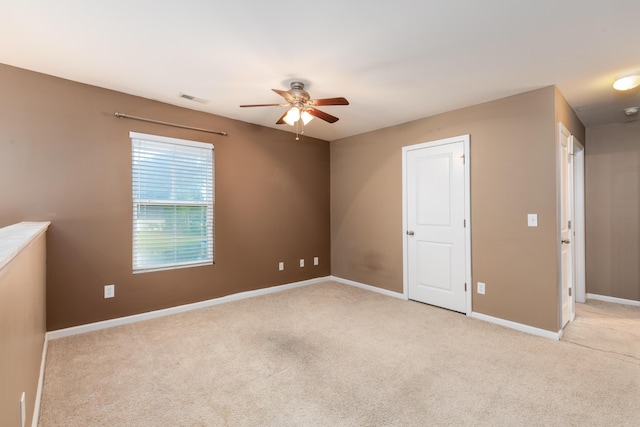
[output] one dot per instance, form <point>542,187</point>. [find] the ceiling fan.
<point>302,107</point>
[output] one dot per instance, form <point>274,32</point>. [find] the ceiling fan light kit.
<point>292,116</point>
<point>306,117</point>
<point>302,107</point>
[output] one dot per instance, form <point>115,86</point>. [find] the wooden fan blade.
<point>330,101</point>
<point>322,115</point>
<point>281,119</point>
<point>261,105</point>
<point>286,95</point>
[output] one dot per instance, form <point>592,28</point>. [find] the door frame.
<point>566,198</point>
<point>579,265</point>
<point>465,139</point>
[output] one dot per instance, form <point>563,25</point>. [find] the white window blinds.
<point>173,193</point>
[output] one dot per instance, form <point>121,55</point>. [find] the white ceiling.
<point>394,61</point>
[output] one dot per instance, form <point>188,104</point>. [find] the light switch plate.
<point>281,266</point>
<point>481,288</point>
<point>109,291</point>
<point>532,220</point>
<point>315,261</point>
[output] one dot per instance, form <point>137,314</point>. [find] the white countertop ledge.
<point>14,238</point>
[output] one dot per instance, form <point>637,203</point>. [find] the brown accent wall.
<point>64,157</point>
<point>22,330</point>
<point>513,173</point>
<point>612,157</point>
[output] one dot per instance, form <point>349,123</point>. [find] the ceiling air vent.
<point>631,111</point>
<point>194,98</point>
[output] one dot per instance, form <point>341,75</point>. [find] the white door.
<point>435,224</point>
<point>566,216</point>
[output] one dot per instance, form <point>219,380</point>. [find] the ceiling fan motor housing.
<point>298,93</point>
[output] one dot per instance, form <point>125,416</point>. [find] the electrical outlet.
<point>481,288</point>
<point>281,266</point>
<point>315,260</point>
<point>301,262</point>
<point>109,291</point>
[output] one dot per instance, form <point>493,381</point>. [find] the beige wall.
<point>513,172</point>
<point>612,157</point>
<point>68,160</point>
<point>22,330</point>
<point>568,117</point>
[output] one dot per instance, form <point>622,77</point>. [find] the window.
<point>172,203</point>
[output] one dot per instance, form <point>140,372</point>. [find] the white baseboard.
<point>613,299</point>
<point>75,330</point>
<point>36,405</point>
<point>368,287</point>
<point>81,329</point>
<point>506,323</point>
<point>518,326</point>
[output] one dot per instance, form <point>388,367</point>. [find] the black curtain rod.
<point>126,116</point>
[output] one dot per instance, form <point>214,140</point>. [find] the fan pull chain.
<point>298,129</point>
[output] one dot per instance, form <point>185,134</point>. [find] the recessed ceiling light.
<point>627,82</point>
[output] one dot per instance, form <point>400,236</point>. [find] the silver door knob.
<point>565,241</point>
<point>409,233</point>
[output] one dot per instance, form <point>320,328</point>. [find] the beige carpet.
<point>607,327</point>
<point>333,355</point>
